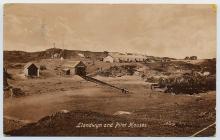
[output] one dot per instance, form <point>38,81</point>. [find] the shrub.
<point>43,67</point>
<point>152,79</point>
<point>189,84</point>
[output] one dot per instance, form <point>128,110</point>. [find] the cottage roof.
<point>65,69</point>
<point>29,64</point>
<point>109,56</point>
<point>81,55</point>
<point>126,56</point>
<point>73,64</point>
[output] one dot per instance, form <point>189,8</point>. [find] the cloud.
<point>160,30</point>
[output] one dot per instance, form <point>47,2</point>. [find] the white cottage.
<point>108,59</point>
<point>117,57</point>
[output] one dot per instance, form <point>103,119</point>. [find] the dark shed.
<point>30,69</point>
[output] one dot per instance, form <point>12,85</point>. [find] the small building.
<point>109,59</point>
<point>66,71</point>
<point>75,67</point>
<point>81,55</point>
<point>119,57</point>
<point>165,59</point>
<point>30,69</point>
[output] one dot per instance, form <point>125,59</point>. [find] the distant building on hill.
<point>166,59</point>
<point>31,70</point>
<point>118,57</point>
<point>81,55</point>
<point>109,59</point>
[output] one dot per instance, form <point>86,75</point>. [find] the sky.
<point>157,30</point>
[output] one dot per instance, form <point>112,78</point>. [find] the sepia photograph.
<point>143,70</point>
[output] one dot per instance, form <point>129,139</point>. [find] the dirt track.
<point>188,113</point>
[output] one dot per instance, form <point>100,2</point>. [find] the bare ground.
<point>164,114</point>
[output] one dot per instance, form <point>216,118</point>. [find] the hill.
<point>23,57</point>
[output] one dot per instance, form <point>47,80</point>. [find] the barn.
<point>75,67</point>
<point>31,70</point>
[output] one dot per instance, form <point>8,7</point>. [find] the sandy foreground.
<point>164,114</point>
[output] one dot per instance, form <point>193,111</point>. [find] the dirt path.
<point>193,112</point>
<point>34,107</point>
<point>67,94</point>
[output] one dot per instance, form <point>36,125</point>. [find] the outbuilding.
<point>75,67</point>
<point>109,59</point>
<point>31,70</point>
<point>66,71</point>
